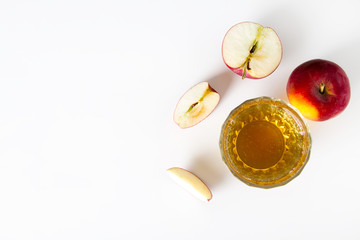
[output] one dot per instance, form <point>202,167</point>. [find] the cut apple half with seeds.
<point>251,50</point>
<point>191,183</point>
<point>195,105</point>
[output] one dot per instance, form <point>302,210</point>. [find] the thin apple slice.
<point>251,50</point>
<point>195,105</point>
<point>191,183</point>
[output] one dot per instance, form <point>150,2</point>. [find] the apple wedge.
<point>251,50</point>
<point>191,183</point>
<point>195,105</point>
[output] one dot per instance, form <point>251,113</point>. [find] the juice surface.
<point>260,144</point>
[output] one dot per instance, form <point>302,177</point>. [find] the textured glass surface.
<point>294,146</point>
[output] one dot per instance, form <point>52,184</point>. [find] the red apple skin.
<point>304,89</point>
<point>240,71</point>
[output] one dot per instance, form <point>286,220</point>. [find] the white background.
<point>87,93</point>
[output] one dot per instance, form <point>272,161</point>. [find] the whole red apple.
<point>319,88</point>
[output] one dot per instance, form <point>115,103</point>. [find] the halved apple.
<point>251,50</point>
<point>195,105</point>
<point>190,182</point>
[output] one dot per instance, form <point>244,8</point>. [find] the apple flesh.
<point>191,183</point>
<point>319,88</point>
<point>251,50</point>
<point>195,105</point>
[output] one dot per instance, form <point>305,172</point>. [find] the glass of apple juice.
<point>265,142</point>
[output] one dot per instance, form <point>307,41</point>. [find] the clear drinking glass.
<point>265,142</point>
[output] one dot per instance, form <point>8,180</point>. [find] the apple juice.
<point>265,142</point>
<point>259,144</point>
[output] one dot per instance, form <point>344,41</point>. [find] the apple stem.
<point>244,73</point>
<point>322,88</point>
<point>246,67</point>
